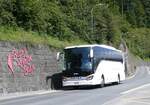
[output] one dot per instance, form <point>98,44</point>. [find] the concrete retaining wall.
<point>26,67</point>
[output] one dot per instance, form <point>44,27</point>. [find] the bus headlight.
<point>90,77</point>
<point>64,78</point>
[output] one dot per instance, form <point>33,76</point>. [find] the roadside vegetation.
<point>20,35</point>
<point>59,23</point>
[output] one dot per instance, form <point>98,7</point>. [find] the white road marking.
<point>134,89</point>
<point>141,102</point>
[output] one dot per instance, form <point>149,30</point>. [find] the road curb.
<point>24,94</point>
<point>132,76</point>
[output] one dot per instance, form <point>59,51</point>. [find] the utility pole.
<point>92,17</point>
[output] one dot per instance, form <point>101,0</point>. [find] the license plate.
<point>76,77</point>
<point>76,83</point>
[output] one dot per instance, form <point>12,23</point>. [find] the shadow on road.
<point>54,82</point>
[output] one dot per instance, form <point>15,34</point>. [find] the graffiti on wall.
<point>22,59</point>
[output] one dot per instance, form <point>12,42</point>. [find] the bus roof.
<point>93,45</point>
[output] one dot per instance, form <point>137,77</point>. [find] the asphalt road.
<point>90,96</point>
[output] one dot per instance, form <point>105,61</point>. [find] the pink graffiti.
<point>22,59</point>
<point>10,63</point>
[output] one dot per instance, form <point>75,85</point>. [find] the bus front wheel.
<point>118,79</point>
<point>103,82</point>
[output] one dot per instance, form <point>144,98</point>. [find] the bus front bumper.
<point>78,83</point>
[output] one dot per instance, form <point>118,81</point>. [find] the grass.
<point>19,35</point>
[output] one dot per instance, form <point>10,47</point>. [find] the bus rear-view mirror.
<point>58,56</point>
<point>91,53</point>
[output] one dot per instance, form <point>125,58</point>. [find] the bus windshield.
<point>78,59</point>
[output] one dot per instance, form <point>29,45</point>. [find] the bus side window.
<point>105,53</point>
<point>109,54</point>
<point>98,53</point>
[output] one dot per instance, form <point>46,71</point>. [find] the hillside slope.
<point>64,22</point>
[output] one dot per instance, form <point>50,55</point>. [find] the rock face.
<point>131,62</point>
<point>25,67</point>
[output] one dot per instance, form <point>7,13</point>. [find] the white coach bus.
<point>86,65</point>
